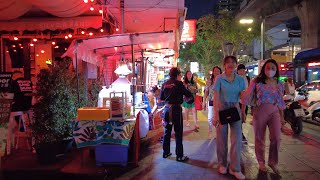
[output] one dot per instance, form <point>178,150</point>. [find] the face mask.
<point>270,73</point>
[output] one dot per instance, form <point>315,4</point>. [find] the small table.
<point>119,132</point>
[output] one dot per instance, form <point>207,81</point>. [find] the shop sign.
<point>189,31</point>
<point>5,81</point>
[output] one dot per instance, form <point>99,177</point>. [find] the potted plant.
<point>54,111</point>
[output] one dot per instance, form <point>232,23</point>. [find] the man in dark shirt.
<point>172,93</point>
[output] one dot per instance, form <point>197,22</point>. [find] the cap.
<point>241,66</point>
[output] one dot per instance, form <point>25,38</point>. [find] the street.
<point>299,156</point>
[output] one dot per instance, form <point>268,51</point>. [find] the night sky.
<point>198,8</point>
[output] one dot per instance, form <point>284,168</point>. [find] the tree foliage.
<point>226,32</point>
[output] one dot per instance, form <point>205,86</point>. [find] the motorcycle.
<point>312,110</point>
<point>293,114</point>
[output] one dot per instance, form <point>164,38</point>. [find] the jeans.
<point>210,116</point>
<point>222,145</point>
<point>177,123</point>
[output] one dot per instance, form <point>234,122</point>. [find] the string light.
<point>35,40</point>
<point>20,44</point>
<point>90,33</point>
<point>82,32</point>
<point>56,47</point>
<point>42,51</point>
<point>92,0</point>
<point>15,38</point>
<point>21,47</point>
<point>53,43</point>
<point>13,46</point>
<point>31,44</point>
<point>91,8</point>
<point>14,50</point>
<point>37,54</point>
<point>100,11</point>
<point>101,30</point>
<point>85,1</point>
<point>70,35</point>
<point>117,29</point>
<point>66,37</point>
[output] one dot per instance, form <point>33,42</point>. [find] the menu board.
<point>5,109</point>
<point>5,81</point>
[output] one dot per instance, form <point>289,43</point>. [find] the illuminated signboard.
<point>189,31</point>
<point>313,64</point>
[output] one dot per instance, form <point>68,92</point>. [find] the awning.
<point>52,23</point>
<point>95,50</point>
<point>313,53</point>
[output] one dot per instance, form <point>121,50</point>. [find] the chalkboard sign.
<point>5,81</point>
<point>5,108</point>
<point>6,100</point>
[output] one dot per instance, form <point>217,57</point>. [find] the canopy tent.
<point>94,50</point>
<point>139,15</point>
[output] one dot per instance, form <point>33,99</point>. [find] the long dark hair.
<point>212,75</point>
<point>186,81</point>
<point>262,76</point>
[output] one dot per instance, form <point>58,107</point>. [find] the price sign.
<point>5,81</point>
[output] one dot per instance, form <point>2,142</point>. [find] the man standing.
<point>172,93</point>
<point>241,70</point>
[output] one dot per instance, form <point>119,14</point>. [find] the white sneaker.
<point>222,170</point>
<point>238,175</point>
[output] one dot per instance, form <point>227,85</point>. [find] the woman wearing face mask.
<point>266,91</point>
<point>227,90</point>
<point>208,97</point>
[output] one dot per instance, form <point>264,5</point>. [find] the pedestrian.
<point>192,87</point>
<point>266,94</point>
<point>241,70</point>
<point>208,98</point>
<point>172,93</point>
<point>158,106</point>
<point>227,90</point>
<point>289,87</point>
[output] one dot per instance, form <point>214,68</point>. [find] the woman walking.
<point>227,89</point>
<point>208,98</point>
<point>192,87</point>
<point>266,94</point>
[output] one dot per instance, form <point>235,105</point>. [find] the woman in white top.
<point>208,98</point>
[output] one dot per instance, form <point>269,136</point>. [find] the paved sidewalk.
<point>299,157</point>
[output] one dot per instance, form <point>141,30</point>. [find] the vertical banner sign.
<point>5,81</point>
<point>5,109</point>
<point>189,31</point>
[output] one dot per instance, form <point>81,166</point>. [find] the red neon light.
<point>189,31</point>
<point>313,64</point>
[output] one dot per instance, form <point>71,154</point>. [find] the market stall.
<point>123,122</point>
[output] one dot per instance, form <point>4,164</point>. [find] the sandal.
<point>182,159</point>
<point>274,169</point>
<point>166,155</point>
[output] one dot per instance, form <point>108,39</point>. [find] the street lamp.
<point>246,21</point>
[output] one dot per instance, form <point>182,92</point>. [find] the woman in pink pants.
<point>265,93</point>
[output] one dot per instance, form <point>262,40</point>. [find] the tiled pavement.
<point>299,157</point>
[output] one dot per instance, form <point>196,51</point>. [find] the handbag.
<point>198,103</point>
<point>229,115</point>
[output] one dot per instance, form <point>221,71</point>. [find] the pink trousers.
<point>263,116</point>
